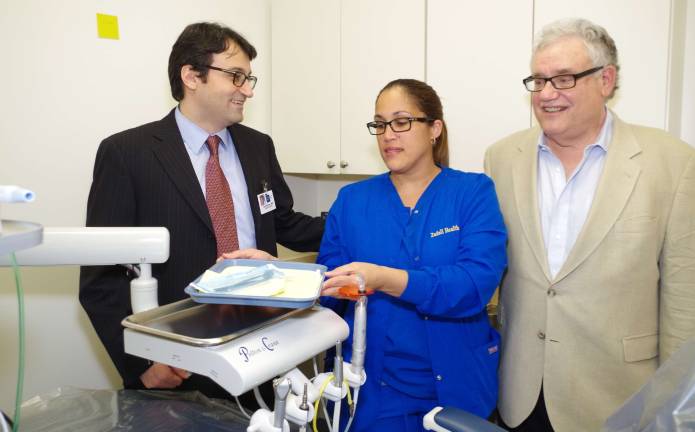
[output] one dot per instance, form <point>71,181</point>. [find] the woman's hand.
<point>247,254</point>
<point>388,280</point>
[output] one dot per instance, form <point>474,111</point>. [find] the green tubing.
<point>20,369</point>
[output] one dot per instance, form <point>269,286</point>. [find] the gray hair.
<point>599,44</point>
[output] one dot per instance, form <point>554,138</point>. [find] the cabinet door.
<point>642,35</point>
<point>306,84</point>
<point>381,40</point>
<point>477,55</point>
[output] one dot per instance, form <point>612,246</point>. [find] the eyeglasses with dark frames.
<point>559,82</point>
<point>238,77</point>
<point>399,124</point>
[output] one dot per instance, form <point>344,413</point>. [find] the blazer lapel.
<point>171,152</point>
<point>525,180</point>
<point>620,174</point>
<point>249,160</point>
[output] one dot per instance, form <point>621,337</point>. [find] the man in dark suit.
<point>200,174</point>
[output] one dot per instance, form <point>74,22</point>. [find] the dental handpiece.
<point>359,335</point>
<point>338,369</point>
<point>282,389</point>
<point>359,332</point>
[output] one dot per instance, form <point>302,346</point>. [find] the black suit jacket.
<point>144,177</point>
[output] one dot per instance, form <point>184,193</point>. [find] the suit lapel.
<point>620,174</point>
<point>171,152</point>
<point>248,158</point>
<point>525,181</point>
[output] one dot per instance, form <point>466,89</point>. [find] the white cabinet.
<point>382,40</point>
<point>330,59</point>
<point>477,55</point>
<point>305,107</point>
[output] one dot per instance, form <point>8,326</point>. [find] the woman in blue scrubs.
<point>430,241</point>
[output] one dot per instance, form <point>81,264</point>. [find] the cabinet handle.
<point>330,164</point>
<point>343,164</point>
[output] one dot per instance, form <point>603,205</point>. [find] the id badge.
<point>266,201</point>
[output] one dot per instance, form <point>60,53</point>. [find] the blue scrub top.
<point>435,340</point>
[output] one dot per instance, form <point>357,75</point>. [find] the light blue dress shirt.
<point>194,139</point>
<point>564,203</point>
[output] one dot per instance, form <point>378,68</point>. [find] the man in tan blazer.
<point>600,287</point>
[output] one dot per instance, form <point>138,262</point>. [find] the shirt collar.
<point>194,136</point>
<point>603,140</point>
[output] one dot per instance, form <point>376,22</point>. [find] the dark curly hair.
<point>196,45</point>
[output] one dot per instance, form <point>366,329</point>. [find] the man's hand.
<point>163,376</point>
<point>247,254</point>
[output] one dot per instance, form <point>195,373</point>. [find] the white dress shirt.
<point>194,139</point>
<point>565,203</point>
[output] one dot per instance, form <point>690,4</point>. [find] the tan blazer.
<point>624,299</point>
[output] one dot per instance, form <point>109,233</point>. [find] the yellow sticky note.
<point>107,26</point>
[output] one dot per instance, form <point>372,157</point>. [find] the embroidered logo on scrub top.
<point>445,230</point>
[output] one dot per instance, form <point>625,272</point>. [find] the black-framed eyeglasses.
<point>238,77</point>
<point>559,82</point>
<point>399,124</point>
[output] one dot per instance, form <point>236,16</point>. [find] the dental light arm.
<point>104,246</point>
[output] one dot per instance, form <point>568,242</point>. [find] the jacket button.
<point>417,258</point>
<point>551,292</point>
<point>426,317</point>
<point>541,335</point>
<point>439,377</point>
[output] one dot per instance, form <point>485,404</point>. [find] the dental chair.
<point>450,419</point>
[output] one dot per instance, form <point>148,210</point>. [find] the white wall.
<point>688,108</point>
<point>478,82</point>
<point>65,90</point>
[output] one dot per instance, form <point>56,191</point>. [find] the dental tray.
<point>293,296</point>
